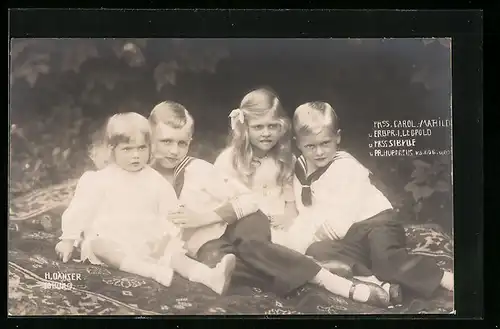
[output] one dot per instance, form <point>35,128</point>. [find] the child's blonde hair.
<point>257,103</point>
<point>120,128</point>
<point>312,117</point>
<point>172,114</point>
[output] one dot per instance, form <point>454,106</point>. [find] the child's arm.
<point>337,208</point>
<point>207,181</point>
<point>81,208</point>
<point>234,200</point>
<point>290,208</point>
<point>291,211</point>
<point>236,207</point>
<point>228,212</point>
<point>237,199</point>
<point>78,214</point>
<point>298,236</point>
<point>290,205</point>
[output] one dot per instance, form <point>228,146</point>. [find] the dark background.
<point>62,91</point>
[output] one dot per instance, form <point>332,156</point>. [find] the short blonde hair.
<point>172,114</point>
<point>312,117</point>
<point>120,128</point>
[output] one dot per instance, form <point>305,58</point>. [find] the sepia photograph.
<point>237,176</point>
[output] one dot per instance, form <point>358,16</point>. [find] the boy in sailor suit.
<point>344,217</point>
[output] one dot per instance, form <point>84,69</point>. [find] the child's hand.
<point>285,220</point>
<point>181,216</point>
<point>64,249</point>
<point>186,218</point>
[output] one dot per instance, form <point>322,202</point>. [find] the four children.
<point>256,211</point>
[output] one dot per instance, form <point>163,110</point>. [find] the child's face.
<point>264,132</point>
<point>319,149</point>
<point>171,144</point>
<point>134,155</point>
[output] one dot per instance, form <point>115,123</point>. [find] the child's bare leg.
<point>111,254</point>
<point>217,278</point>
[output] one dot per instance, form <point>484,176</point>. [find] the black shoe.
<point>337,267</point>
<point>378,296</point>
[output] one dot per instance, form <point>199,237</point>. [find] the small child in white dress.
<point>123,209</point>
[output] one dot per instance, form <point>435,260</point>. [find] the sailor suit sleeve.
<point>338,198</point>
<point>205,194</point>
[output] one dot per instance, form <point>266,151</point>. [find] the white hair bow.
<point>236,115</point>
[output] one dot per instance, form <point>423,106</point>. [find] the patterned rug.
<point>36,286</point>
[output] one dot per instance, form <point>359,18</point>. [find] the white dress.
<point>127,208</point>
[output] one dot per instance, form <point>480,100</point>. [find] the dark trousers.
<point>377,246</point>
<point>259,261</point>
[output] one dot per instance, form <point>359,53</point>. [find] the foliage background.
<point>62,90</point>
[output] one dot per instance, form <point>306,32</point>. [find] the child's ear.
<point>338,136</point>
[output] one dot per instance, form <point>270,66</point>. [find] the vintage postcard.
<point>230,176</point>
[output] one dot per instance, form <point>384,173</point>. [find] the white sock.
<point>222,274</point>
<point>199,273</point>
<point>341,286</point>
<point>187,267</point>
<point>162,274</point>
<point>447,281</point>
<point>138,266</point>
<point>387,287</point>
<point>361,293</point>
<point>373,279</point>
<point>216,278</point>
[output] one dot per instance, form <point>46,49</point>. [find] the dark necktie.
<point>179,175</point>
<point>306,181</point>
